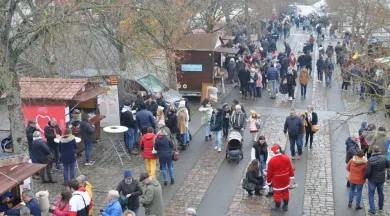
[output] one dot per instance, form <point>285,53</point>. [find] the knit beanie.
<point>127,174</point>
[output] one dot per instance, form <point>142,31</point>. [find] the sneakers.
<point>358,208</point>
<point>210,137</point>
<point>293,158</point>
<point>298,157</point>
<point>172,181</point>
<point>349,204</point>
<point>219,149</point>
<point>216,147</point>
<point>206,138</point>
<point>90,163</point>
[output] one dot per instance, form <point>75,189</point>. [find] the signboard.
<point>43,114</point>
<point>192,67</point>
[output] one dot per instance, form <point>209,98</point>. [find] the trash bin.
<point>43,199</point>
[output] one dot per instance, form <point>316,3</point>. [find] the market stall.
<point>47,98</point>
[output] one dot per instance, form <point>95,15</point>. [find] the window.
<point>152,83</point>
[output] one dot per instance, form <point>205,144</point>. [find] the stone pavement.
<point>242,204</point>
<point>318,198</point>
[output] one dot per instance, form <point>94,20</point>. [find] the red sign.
<point>43,114</point>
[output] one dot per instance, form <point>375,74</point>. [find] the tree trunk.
<point>50,56</point>
<point>15,112</point>
<point>226,13</point>
<point>122,57</point>
<point>171,66</point>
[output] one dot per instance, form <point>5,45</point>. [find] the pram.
<point>234,148</point>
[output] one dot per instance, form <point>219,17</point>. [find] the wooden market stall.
<point>46,98</point>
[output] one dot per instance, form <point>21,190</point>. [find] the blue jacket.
<point>351,148</point>
<point>387,145</point>
<point>272,74</point>
<point>3,206</point>
<point>145,119</point>
<point>68,149</point>
<point>113,209</point>
<point>164,147</point>
<point>33,205</point>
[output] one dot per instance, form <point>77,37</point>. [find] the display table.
<point>115,131</point>
<point>78,140</point>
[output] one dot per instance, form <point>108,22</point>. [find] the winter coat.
<point>164,148</point>
<point>29,133</point>
<point>33,205</point>
<point>380,139</point>
<point>302,60</point>
<point>252,123</point>
<point>68,149</point>
<point>146,144</point>
<point>265,45</point>
<point>252,77</point>
<point>304,77</point>
<point>152,107</point>
<point>145,120</point>
<point>308,60</point>
<point>356,168</point>
<point>351,149</point>
<point>152,199</point>
<point>113,209</point>
<point>161,102</point>
<point>293,125</point>
<point>314,121</point>
<point>272,74</point>
<point>240,66</point>
<point>182,121</point>
<point>171,121</point>
<point>216,121</point>
<point>127,119</point>
<point>292,60</point>
<point>259,82</point>
<point>41,150</point>
<point>369,137</point>
<point>272,47</point>
<point>238,120</point>
<point>134,189</point>
<point>338,49</point>
<point>329,51</point>
<point>320,64</point>
<point>60,212</point>
<point>243,76</point>
<point>231,67</point>
<point>51,133</point>
<point>225,119</point>
<point>87,131</point>
<point>206,114</point>
<point>376,168</point>
<point>253,177</point>
<point>259,149</point>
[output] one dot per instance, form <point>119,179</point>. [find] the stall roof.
<point>89,94</point>
<point>200,42</point>
<point>50,88</point>
<point>227,50</point>
<point>12,175</point>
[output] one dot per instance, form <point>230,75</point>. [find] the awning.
<point>10,176</point>
<point>89,94</point>
<point>227,50</point>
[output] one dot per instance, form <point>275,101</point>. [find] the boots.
<point>285,205</point>
<point>206,138</point>
<point>277,207</point>
<point>210,137</point>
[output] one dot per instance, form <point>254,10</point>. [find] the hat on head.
<point>143,176</point>
<point>68,132</point>
<point>32,121</point>
<point>127,174</point>
<point>275,148</point>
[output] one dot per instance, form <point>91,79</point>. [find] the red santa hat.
<point>275,148</point>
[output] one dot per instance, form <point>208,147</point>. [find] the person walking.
<point>87,133</point>
<point>291,83</point>
<point>127,120</point>
<point>147,145</point>
<point>311,120</point>
<point>182,124</point>
<point>151,199</point>
<point>260,152</point>
<point>206,111</point>
<point>259,83</point>
<point>43,156</point>
<point>231,69</point>
<point>320,68</point>
<point>356,168</point>
<point>164,147</point>
<point>131,189</point>
<point>304,80</point>
<point>254,124</point>
<point>226,118</point>
<point>279,173</point>
<point>273,77</point>
<point>351,149</point>
<point>376,175</point>
<point>329,67</point>
<point>293,126</point>
<point>68,147</point>
<point>329,51</point>
<point>244,77</point>
<point>216,122</point>
<point>238,120</point>
<point>311,43</point>
<point>253,177</point>
<point>51,132</point>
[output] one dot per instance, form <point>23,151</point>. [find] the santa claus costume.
<point>279,173</point>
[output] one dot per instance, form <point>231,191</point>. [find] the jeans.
<point>88,148</point>
<point>135,211</point>
<point>218,138</point>
<point>164,167</point>
<point>362,90</point>
<point>358,194</point>
<point>371,193</point>
<point>68,168</point>
<point>293,140</point>
<point>252,89</point>
<point>273,87</point>
<point>328,78</point>
<point>130,138</point>
<point>151,167</point>
<point>303,90</point>
<point>371,109</point>
<point>206,128</point>
<point>263,165</point>
<point>300,143</point>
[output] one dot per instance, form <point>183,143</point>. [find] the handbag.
<point>315,128</point>
<point>175,154</point>
<point>123,200</point>
<point>154,151</point>
<point>248,185</point>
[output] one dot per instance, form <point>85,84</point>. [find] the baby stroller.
<point>234,148</point>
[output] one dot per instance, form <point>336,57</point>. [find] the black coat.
<point>171,121</point>
<point>320,64</point>
<point>87,131</point>
<point>314,121</point>
<point>127,119</point>
<point>29,133</point>
<point>68,149</point>
<point>243,76</point>
<point>293,125</point>
<point>261,150</point>
<point>216,121</point>
<point>253,177</point>
<point>376,168</point>
<point>301,60</point>
<point>351,149</point>
<point>164,147</point>
<point>272,47</point>
<point>41,151</point>
<point>308,60</point>
<point>134,189</point>
<point>51,132</point>
<point>152,107</point>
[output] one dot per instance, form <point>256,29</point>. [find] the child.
<point>254,124</point>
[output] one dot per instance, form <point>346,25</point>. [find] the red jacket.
<point>357,170</point>
<point>60,212</point>
<point>147,143</point>
<point>279,172</point>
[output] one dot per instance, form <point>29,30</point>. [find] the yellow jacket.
<point>88,187</point>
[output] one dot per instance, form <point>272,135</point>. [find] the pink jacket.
<point>252,124</point>
<point>58,212</point>
<point>292,60</point>
<point>259,80</point>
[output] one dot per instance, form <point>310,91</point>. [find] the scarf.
<point>309,116</point>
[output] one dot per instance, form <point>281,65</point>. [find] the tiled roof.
<point>50,88</point>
